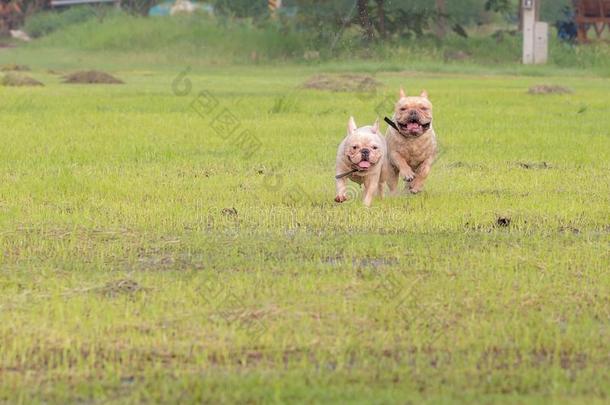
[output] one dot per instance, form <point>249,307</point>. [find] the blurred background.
<point>428,33</point>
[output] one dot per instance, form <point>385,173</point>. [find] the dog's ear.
<point>402,93</point>
<point>424,94</point>
<point>376,126</point>
<point>351,126</point>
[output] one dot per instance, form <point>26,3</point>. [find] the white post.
<point>529,22</point>
<point>535,34</point>
<point>541,42</point>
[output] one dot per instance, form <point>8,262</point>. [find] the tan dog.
<point>362,157</point>
<point>412,144</point>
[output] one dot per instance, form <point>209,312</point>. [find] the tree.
<point>242,8</point>
<point>381,18</point>
<point>14,12</point>
<point>440,25</point>
<point>506,7</point>
<point>500,6</point>
<point>365,20</point>
<point>138,7</point>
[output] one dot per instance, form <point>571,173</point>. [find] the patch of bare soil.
<point>91,77</point>
<point>534,165</point>
<point>12,67</point>
<point>342,83</point>
<point>549,89</point>
<point>229,212</point>
<point>15,80</point>
<point>118,287</point>
<point>503,221</point>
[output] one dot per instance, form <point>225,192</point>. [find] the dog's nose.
<point>413,113</point>
<point>365,152</point>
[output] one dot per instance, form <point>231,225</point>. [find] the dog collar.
<point>340,176</point>
<point>391,123</point>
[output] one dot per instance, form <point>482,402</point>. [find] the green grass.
<point>253,286</point>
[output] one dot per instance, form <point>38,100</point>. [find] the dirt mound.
<point>549,89</point>
<point>15,80</point>
<point>534,165</point>
<point>118,287</point>
<point>11,67</point>
<point>342,83</point>
<point>91,77</point>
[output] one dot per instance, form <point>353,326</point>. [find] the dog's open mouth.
<point>363,165</point>
<point>413,126</point>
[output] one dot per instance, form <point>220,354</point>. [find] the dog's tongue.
<point>413,126</point>
<point>364,164</point>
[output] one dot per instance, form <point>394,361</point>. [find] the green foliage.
<point>138,7</point>
<point>552,11</point>
<point>44,23</point>
<point>241,8</point>
<point>13,12</point>
<point>329,20</point>
<point>391,20</point>
<point>500,6</point>
<point>204,40</point>
<point>408,20</point>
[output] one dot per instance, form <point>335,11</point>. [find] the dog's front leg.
<point>380,190</point>
<point>422,173</point>
<point>392,180</point>
<point>371,184</point>
<point>341,186</point>
<point>404,170</point>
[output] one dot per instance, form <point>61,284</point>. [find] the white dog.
<point>362,157</point>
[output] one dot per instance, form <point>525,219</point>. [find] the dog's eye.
<point>354,147</point>
<point>375,147</point>
<point>403,108</point>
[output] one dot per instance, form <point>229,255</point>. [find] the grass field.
<point>149,254</point>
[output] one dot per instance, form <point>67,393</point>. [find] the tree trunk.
<point>365,20</point>
<point>440,26</point>
<point>381,16</point>
<point>520,15</point>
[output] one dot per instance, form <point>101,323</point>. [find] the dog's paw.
<point>409,177</point>
<point>341,198</point>
<point>415,189</point>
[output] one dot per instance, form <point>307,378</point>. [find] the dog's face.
<point>363,146</point>
<point>413,115</point>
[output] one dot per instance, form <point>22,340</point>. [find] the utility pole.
<point>535,34</point>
